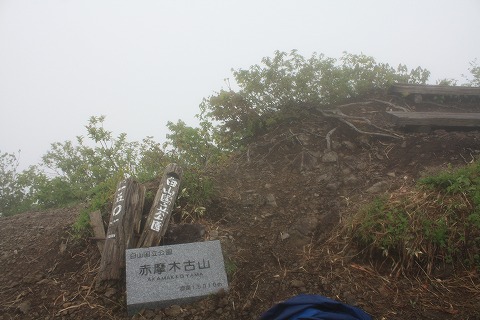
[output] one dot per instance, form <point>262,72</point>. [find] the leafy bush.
<point>289,79</point>
<point>194,151</point>
<point>12,192</point>
<point>101,198</point>
<point>475,72</point>
<point>86,166</point>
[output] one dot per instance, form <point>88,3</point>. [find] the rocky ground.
<point>280,208</point>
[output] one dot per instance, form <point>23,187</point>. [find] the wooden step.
<point>435,119</point>
<point>423,89</point>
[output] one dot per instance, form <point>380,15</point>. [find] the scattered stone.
<point>149,314</point>
<point>347,144</point>
<point>62,248</point>
<point>213,234</point>
<point>173,311</point>
<point>351,180</point>
<point>391,174</point>
<point>297,283</point>
<point>330,157</point>
<point>270,199</point>
<point>362,166</point>
<point>184,233</point>
<point>327,222</point>
<point>333,186</point>
<point>378,187</point>
<point>364,140</point>
<point>24,307</point>
<point>110,292</point>
<point>252,199</point>
<point>306,225</point>
<point>350,298</point>
<point>266,215</point>
<point>324,177</point>
<point>284,235</point>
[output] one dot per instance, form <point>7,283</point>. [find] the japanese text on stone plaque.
<point>167,200</point>
<point>174,267</point>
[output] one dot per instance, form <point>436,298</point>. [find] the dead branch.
<point>377,134</point>
<point>71,307</point>
<point>327,137</point>
<point>355,104</point>
<point>296,137</point>
<point>341,117</point>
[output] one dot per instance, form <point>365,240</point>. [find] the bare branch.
<point>341,117</point>
<point>385,135</point>
<point>327,137</point>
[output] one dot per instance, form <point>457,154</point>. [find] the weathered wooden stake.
<point>127,205</point>
<point>162,207</point>
<point>98,229</point>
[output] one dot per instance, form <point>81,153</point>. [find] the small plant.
<point>439,222</point>
<point>383,226</point>
<point>230,268</point>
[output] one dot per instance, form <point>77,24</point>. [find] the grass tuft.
<point>437,224</point>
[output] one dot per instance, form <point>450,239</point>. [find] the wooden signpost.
<point>127,208</point>
<point>162,207</point>
<point>125,226</point>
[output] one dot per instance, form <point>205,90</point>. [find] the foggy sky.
<point>143,63</point>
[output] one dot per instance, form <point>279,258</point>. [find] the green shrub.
<point>268,90</point>
<point>101,198</point>
<point>437,223</point>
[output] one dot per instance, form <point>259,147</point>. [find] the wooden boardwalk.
<point>408,89</point>
<point>435,119</point>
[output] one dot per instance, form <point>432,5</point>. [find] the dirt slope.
<point>276,215</point>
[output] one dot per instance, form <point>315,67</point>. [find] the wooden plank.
<point>435,119</point>
<point>127,204</point>
<point>407,89</point>
<point>162,207</point>
<point>98,228</point>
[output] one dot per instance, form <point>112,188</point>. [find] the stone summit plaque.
<point>174,274</point>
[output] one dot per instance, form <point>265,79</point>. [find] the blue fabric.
<point>314,307</point>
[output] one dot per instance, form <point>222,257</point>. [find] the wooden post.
<point>96,223</point>
<point>162,207</point>
<point>127,205</point>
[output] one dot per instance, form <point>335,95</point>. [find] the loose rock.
<point>330,157</point>
<point>378,187</point>
<point>297,283</point>
<point>173,311</point>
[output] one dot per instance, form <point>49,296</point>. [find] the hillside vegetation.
<point>297,170</point>
<point>73,171</point>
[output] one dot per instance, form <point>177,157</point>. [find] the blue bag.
<point>314,307</point>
